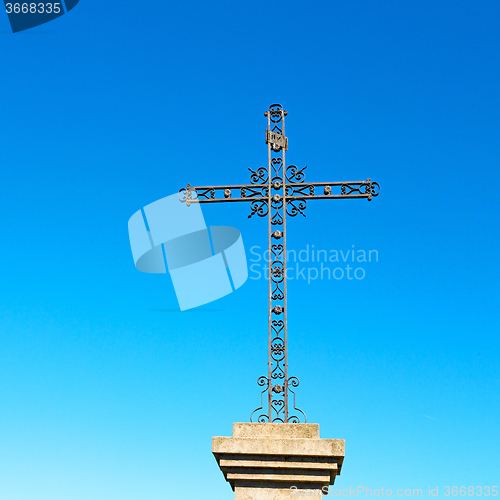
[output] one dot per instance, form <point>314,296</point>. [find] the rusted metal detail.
<point>276,192</point>
<point>277,141</point>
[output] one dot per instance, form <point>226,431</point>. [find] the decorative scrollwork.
<point>259,207</point>
<point>294,419</point>
<point>278,372</point>
<point>262,418</point>
<point>277,249</point>
<point>258,176</point>
<point>203,193</point>
<point>186,194</point>
<point>302,190</point>
<point>277,272</point>
<point>277,293</point>
<point>293,174</point>
<point>277,326</point>
<point>367,188</point>
<point>276,164</point>
<point>275,114</point>
<point>373,189</point>
<point>278,406</point>
<point>254,192</point>
<point>295,207</point>
<point>278,347</point>
<point>277,219</point>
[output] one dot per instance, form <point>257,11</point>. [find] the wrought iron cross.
<point>276,192</point>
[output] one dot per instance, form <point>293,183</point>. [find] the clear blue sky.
<point>107,392</point>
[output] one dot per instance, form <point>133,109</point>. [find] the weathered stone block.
<point>263,461</point>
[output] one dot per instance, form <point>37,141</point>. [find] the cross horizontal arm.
<point>345,190</point>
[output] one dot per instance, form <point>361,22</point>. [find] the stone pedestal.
<point>268,461</point>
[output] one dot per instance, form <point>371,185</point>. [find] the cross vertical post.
<point>277,325</point>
